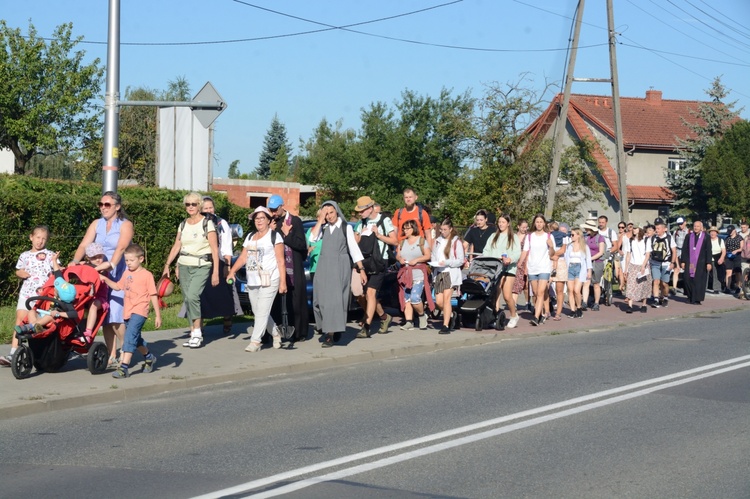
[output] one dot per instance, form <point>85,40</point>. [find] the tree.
<point>708,124</point>
<point>47,94</point>
<point>726,172</point>
<point>272,144</point>
<point>177,90</point>
<point>506,174</point>
<point>234,169</point>
<point>280,166</point>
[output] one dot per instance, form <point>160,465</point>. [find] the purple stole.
<point>694,252</point>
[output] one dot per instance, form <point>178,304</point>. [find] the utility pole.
<point>622,168</point>
<point>561,124</point>
<point>110,154</point>
<point>562,119</point>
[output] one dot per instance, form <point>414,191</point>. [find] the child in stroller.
<point>479,291</point>
<point>54,325</point>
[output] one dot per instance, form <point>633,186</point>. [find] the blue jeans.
<point>660,271</point>
<point>574,271</point>
<point>414,295</point>
<point>133,338</point>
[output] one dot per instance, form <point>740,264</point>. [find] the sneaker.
<point>408,326</point>
<point>673,291</point>
<point>644,309</point>
<point>542,319</point>
<point>584,307</point>
<point>384,324</point>
<point>422,321</point>
<point>121,373</point>
<point>534,321</point>
<point>629,310</point>
<point>664,303</point>
<point>277,341</point>
<point>454,318</point>
<point>364,332</point>
<point>655,303</point>
<point>195,341</point>
<point>512,322</point>
<point>252,347</point>
<point>595,307</point>
<point>445,330</point>
<point>148,365</point>
<point>5,360</point>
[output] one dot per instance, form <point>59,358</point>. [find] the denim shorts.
<point>414,295</point>
<point>539,277</point>
<point>660,271</point>
<point>574,271</point>
<point>133,338</point>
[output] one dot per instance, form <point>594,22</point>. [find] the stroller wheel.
<point>22,362</point>
<point>97,358</point>
<point>500,321</point>
<point>478,322</point>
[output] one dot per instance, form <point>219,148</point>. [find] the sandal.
<point>557,318</point>
<point>113,362</point>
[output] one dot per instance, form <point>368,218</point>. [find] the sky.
<point>306,60</point>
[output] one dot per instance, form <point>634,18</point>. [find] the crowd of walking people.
<point>551,263</point>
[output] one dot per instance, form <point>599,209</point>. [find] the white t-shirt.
<point>261,256</point>
<point>636,249</point>
<point>538,261</point>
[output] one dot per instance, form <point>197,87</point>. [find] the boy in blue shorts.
<point>140,290</point>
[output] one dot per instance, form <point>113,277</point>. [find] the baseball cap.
<point>94,249</point>
<point>659,221</point>
<point>680,220</point>
<point>275,201</point>
<point>65,290</point>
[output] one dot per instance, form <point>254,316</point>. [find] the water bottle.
<point>230,281</point>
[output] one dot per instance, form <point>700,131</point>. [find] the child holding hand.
<point>140,290</point>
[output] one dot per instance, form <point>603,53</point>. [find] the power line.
<point>724,15</point>
<point>681,32</point>
<point>708,25</point>
<point>715,19</point>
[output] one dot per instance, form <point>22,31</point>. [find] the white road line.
<point>661,382</point>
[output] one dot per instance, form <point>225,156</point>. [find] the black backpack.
<point>373,262</point>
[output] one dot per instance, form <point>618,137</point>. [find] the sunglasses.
<point>191,204</point>
<point>620,226</point>
<point>104,205</point>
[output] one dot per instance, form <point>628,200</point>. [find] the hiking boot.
<point>422,321</point>
<point>148,365</point>
<point>408,326</point>
<point>121,373</point>
<point>364,332</point>
<point>384,324</point>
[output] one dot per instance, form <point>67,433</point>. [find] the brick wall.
<point>254,193</point>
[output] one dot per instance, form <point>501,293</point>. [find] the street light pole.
<point>110,154</point>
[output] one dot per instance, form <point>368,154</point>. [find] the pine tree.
<point>272,144</point>
<point>709,123</point>
<point>234,169</point>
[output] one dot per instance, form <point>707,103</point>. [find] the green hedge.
<point>68,208</point>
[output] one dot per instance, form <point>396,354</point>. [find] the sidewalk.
<point>222,358</point>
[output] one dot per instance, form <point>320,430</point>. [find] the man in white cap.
<point>290,228</point>
<point>678,237</point>
<point>373,234</point>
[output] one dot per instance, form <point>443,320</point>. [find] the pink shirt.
<point>139,287</point>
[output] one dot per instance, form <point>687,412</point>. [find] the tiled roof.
<point>650,122</point>
<point>647,123</point>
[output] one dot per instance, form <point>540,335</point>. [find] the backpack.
<point>662,255</point>
<point>373,262</point>
<point>206,217</point>
<point>746,248</point>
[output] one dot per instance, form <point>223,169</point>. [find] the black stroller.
<point>479,290</point>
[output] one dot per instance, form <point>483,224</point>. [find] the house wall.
<point>254,193</point>
<point>648,167</point>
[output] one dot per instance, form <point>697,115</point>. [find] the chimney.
<point>606,103</point>
<point>653,97</point>
<point>596,102</point>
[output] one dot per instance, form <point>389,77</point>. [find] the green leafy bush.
<point>68,208</point>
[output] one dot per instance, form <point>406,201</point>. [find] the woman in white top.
<point>506,246</point>
<point>637,275</point>
<point>263,257</point>
<point>538,251</point>
<point>578,259</point>
<point>448,258</point>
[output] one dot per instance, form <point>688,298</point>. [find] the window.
<point>593,214</point>
<point>675,164</point>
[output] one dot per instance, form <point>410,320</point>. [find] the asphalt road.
<point>657,411</point>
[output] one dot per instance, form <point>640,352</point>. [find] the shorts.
<point>561,271</point>
<point>660,271</point>
<point>133,338</point>
<point>731,263</point>
<point>597,271</point>
<point>574,271</point>
<point>442,282</point>
<point>375,281</point>
<point>539,277</point>
<point>414,295</point>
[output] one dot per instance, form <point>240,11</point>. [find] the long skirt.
<point>638,291</point>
